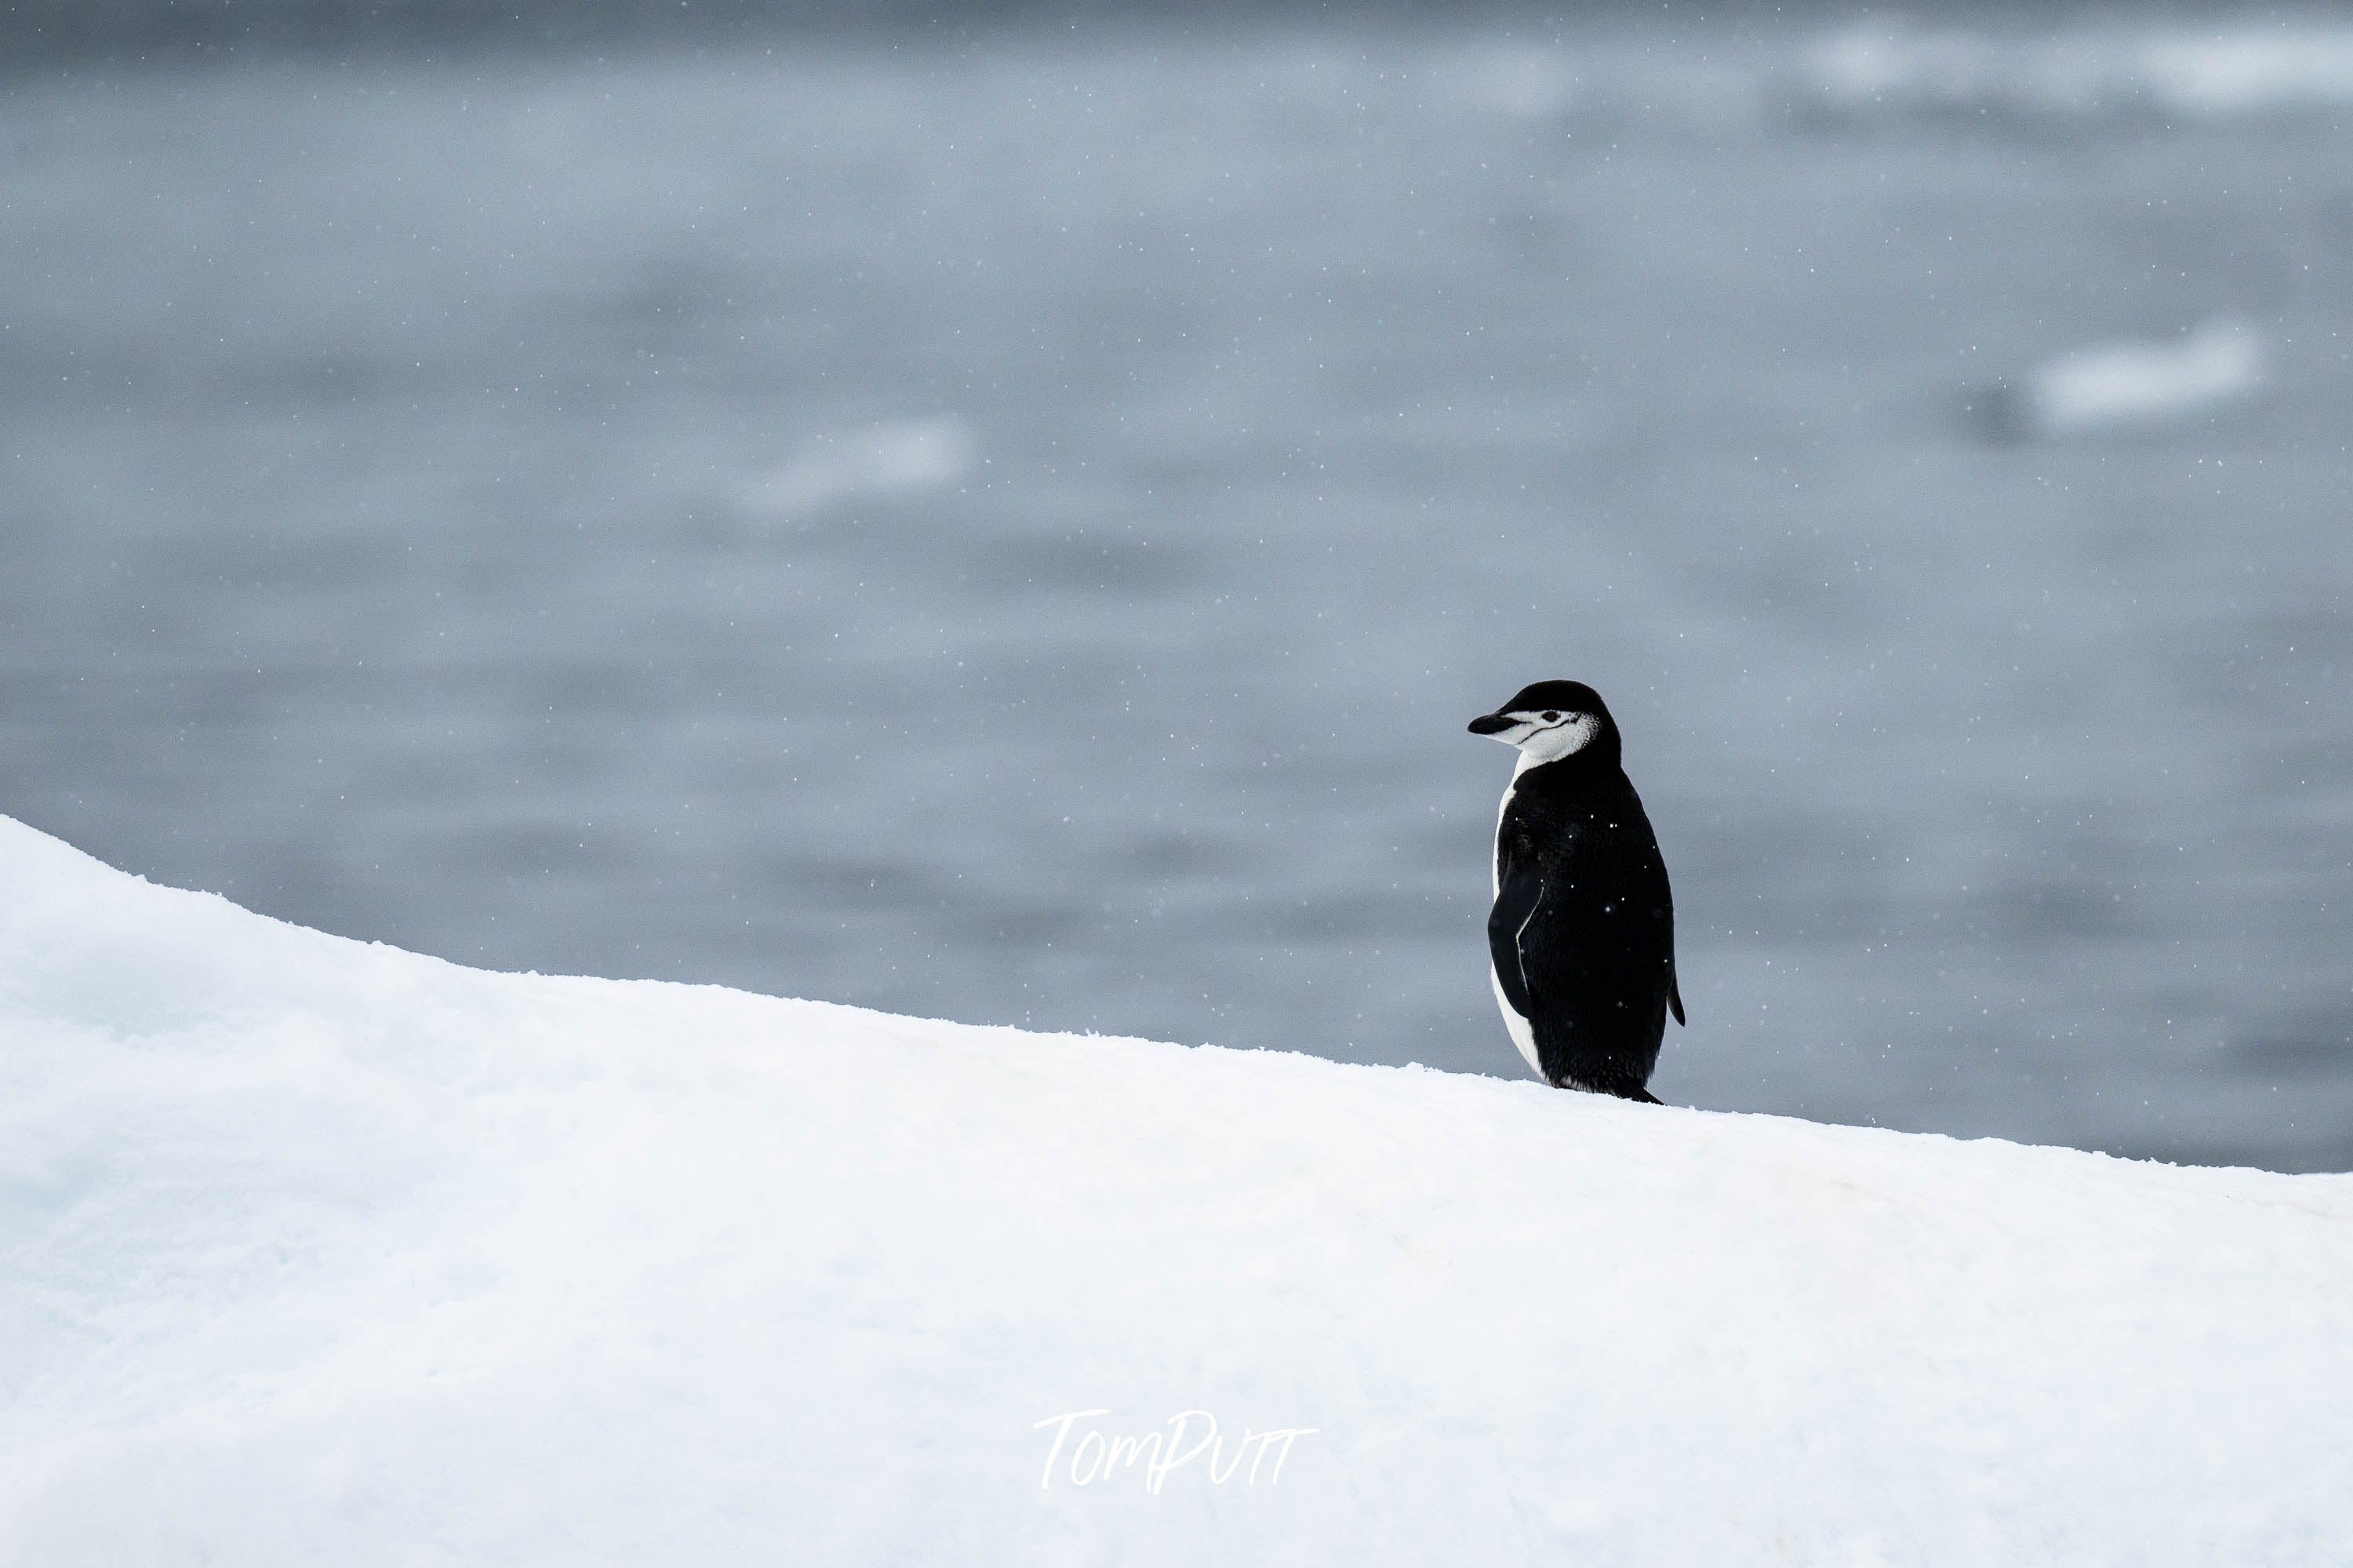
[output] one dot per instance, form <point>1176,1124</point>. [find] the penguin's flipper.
<point>1514,903</point>
<point>1676,996</point>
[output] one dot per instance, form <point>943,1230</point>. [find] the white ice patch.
<point>1882,67</point>
<point>881,459</point>
<point>2249,71</point>
<point>2125,385</point>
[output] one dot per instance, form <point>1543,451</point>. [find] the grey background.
<point>1006,518</point>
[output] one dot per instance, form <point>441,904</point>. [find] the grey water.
<point>1010,525</point>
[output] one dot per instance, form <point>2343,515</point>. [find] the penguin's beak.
<point>1490,724</point>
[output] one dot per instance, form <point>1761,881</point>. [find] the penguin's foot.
<point>1619,1088</point>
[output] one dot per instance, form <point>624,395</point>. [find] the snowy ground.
<point>324,1253</point>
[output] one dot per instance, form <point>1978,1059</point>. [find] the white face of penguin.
<point>1548,735</point>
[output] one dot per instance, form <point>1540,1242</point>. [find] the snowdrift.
<point>319,1252</point>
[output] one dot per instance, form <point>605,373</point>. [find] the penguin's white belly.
<point>1515,1025</point>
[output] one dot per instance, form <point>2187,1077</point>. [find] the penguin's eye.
<point>1552,718</point>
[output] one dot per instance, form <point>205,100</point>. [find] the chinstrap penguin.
<point>1582,938</point>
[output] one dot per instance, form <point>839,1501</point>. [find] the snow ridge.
<point>318,1251</point>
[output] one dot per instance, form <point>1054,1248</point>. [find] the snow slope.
<point>318,1252</point>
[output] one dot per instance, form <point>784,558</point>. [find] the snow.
<point>879,460</point>
<point>322,1251</point>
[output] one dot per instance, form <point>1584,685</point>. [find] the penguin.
<point>1581,941</point>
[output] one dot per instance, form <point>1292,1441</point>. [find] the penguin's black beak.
<point>1490,724</point>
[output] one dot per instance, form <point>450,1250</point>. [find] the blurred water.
<point>1014,530</point>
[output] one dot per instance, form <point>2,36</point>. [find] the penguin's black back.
<point>1596,947</point>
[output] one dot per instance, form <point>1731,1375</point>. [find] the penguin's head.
<point>1550,720</point>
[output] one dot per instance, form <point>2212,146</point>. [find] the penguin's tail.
<point>1645,1096</point>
